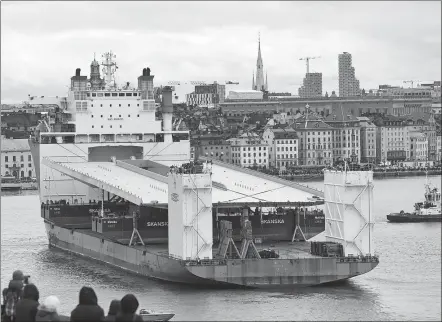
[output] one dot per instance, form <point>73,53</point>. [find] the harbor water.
<point>405,286</point>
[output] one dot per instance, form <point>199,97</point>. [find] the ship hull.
<point>254,273</point>
<point>406,218</point>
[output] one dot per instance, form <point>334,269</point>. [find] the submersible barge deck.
<point>226,262</point>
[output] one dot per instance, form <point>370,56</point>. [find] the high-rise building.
<point>312,86</point>
<point>348,84</point>
<point>258,83</point>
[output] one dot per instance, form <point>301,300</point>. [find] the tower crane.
<point>307,60</point>
<point>411,82</point>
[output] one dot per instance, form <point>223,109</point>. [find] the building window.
<point>92,126</point>
<point>29,165</point>
<point>6,158</point>
<point>14,158</point>
<point>22,158</point>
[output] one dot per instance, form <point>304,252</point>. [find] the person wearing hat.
<point>11,295</point>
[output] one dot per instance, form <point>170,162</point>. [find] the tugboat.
<point>427,211</point>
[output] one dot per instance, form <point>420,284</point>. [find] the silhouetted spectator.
<point>47,312</point>
<point>129,305</point>
<point>27,307</point>
<point>88,308</point>
<point>114,309</point>
<point>12,294</point>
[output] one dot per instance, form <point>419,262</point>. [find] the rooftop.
<point>11,145</point>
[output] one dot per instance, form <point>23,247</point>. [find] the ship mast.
<point>109,68</point>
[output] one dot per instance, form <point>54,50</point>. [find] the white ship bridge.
<point>144,182</point>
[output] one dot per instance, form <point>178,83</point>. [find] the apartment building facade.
<point>368,140</point>
<point>16,158</point>
<point>314,141</point>
<point>283,147</point>
<point>418,146</point>
<point>393,140</point>
<point>346,135</point>
<point>249,150</point>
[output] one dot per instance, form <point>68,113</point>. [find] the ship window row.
<point>119,105</point>
<point>111,94</point>
<point>110,126</point>
<point>128,115</point>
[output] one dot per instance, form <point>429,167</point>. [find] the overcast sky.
<point>43,42</point>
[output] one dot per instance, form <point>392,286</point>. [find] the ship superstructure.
<point>99,120</point>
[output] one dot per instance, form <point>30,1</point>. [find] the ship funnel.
<point>77,72</point>
<point>167,109</point>
<point>144,72</point>
<point>147,71</point>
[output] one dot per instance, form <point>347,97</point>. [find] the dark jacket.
<point>26,310</point>
<point>45,315</point>
<point>87,309</point>
<point>129,305</point>
<point>27,307</point>
<point>128,317</point>
<point>87,313</point>
<point>114,308</point>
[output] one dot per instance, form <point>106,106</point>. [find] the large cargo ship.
<point>90,190</point>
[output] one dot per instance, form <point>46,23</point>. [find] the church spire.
<point>259,83</point>
<point>259,60</point>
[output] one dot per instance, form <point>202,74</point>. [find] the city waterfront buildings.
<point>357,106</point>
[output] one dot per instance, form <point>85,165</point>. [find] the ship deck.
<point>285,250</point>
